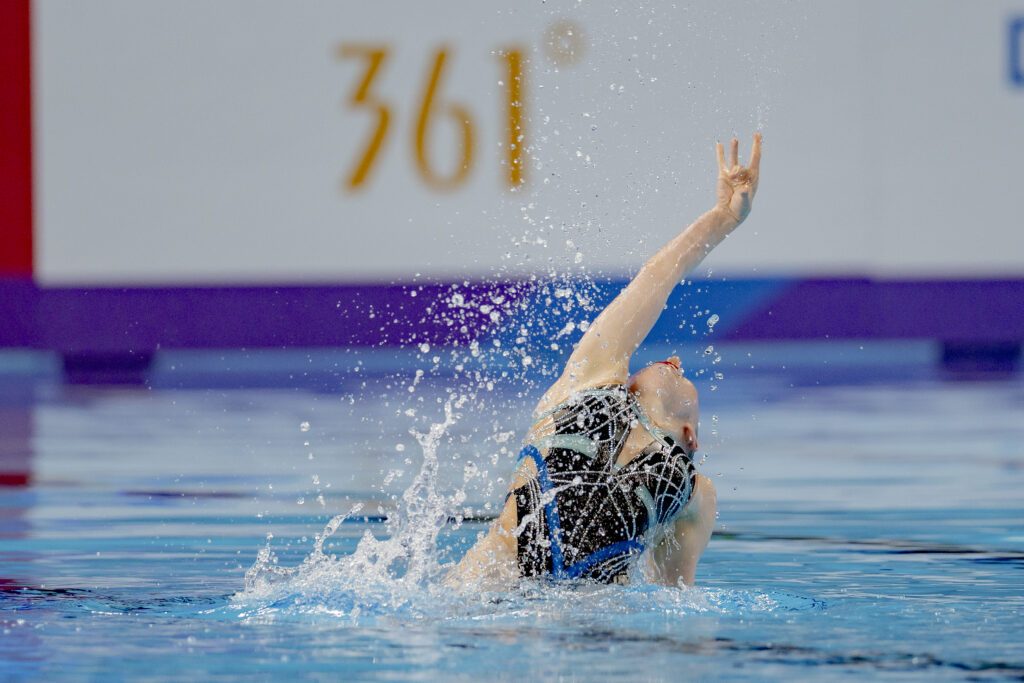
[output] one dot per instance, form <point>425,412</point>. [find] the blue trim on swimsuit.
<point>554,525</point>
<point>606,553</point>
<point>550,510</point>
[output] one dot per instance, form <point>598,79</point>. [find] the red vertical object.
<point>15,138</point>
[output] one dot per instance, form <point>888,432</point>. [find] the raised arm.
<point>602,355</point>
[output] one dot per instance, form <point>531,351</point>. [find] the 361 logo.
<point>562,45</point>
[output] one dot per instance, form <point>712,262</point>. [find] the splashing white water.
<point>380,574</point>
<point>400,576</point>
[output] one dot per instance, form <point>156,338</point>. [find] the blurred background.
<point>186,175</point>
<point>238,193</point>
<point>248,247</point>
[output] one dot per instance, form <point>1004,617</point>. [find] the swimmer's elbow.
<point>692,532</point>
<point>708,494</point>
<point>703,502</point>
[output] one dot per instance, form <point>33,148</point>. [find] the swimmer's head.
<point>669,399</point>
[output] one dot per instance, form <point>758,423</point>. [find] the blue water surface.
<point>871,526</point>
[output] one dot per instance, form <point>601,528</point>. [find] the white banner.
<point>187,141</point>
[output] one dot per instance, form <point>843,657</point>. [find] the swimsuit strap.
<point>657,433</point>
<point>610,391</point>
<point>617,391</point>
<point>609,411</point>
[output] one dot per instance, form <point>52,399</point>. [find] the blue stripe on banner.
<point>1016,52</point>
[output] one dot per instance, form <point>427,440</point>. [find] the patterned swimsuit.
<point>583,516</point>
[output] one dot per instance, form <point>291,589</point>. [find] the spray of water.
<point>400,575</point>
<point>519,334</point>
<point>382,574</point>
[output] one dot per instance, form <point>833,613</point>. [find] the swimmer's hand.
<point>737,184</point>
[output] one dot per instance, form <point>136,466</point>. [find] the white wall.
<point>187,141</point>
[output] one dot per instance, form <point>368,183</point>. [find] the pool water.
<point>871,527</point>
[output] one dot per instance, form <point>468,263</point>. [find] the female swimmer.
<point>606,476</point>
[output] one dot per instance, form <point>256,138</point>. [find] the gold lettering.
<point>516,132</point>
<point>459,114</point>
<point>361,96</point>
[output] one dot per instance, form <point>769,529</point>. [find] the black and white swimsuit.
<point>583,516</point>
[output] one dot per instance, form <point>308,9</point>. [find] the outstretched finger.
<point>735,152</point>
<point>755,154</point>
<point>721,156</point>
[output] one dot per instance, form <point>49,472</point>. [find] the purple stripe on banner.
<point>18,302</point>
<point>139,319</point>
<point>97,320</point>
<point>962,310</point>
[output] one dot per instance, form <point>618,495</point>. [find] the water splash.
<point>400,575</point>
<point>381,574</point>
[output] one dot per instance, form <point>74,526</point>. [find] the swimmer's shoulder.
<point>565,391</point>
